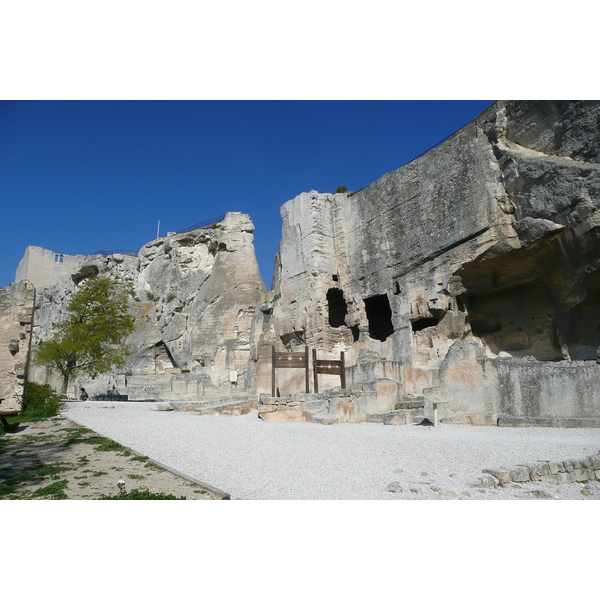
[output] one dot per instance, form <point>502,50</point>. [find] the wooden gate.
<point>290,360</point>
<point>329,367</point>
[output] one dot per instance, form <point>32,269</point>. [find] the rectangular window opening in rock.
<point>379,316</point>
<point>338,308</point>
<point>424,323</point>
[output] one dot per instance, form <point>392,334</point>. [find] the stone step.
<point>233,406</point>
<point>205,403</point>
<point>410,404</point>
<point>397,417</point>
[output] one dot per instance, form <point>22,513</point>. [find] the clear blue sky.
<point>79,176</point>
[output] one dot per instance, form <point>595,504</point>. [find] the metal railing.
<point>109,252</point>
<point>202,224</point>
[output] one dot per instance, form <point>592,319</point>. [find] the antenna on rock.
<point>158,230</point>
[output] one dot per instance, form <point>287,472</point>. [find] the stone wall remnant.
<point>16,320</point>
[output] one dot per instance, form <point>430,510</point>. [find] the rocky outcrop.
<point>194,296</point>
<point>16,319</point>
<point>471,274</point>
<point>492,238</point>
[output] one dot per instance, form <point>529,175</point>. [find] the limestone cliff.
<point>493,237</point>
<point>471,274</point>
<point>194,295</point>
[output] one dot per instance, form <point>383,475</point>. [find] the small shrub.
<point>341,190</point>
<point>40,402</point>
<point>141,495</point>
<point>171,297</point>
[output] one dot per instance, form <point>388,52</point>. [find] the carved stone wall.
<point>16,315</point>
<point>492,238</point>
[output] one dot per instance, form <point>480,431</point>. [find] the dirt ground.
<point>56,459</point>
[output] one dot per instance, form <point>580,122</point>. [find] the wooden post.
<point>343,373</point>
<point>273,371</point>
<point>315,377</point>
<point>307,370</point>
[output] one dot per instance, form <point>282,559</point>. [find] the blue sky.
<point>79,176</point>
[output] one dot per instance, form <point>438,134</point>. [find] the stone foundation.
<point>568,471</point>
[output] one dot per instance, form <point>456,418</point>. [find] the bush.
<point>141,495</point>
<point>40,402</point>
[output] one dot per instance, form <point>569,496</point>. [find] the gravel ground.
<point>254,460</point>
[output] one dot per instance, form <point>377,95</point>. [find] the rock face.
<point>16,317</point>
<point>490,239</point>
<point>470,275</point>
<point>194,295</point>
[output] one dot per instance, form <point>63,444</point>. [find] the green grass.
<point>142,495</point>
<point>41,471</point>
<point>55,491</point>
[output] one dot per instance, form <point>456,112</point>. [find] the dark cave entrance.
<point>338,308</point>
<point>379,315</point>
<point>542,301</point>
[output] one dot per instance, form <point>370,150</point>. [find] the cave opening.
<point>379,316</point>
<point>338,309</point>
<point>424,323</point>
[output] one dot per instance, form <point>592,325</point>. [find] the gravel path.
<point>254,460</point>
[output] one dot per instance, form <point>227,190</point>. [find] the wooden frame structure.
<point>329,367</point>
<point>289,360</point>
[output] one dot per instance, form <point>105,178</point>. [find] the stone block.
<point>563,477</point>
<point>543,468</point>
<point>502,475</point>
<point>586,462</point>
<point>580,475</point>
<point>521,473</point>
<point>555,467</point>
<point>488,481</point>
<point>595,461</point>
<point>550,479</point>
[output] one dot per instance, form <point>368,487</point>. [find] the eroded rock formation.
<point>16,318</point>
<point>194,295</point>
<point>470,275</point>
<point>492,238</point>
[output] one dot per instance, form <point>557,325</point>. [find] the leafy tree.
<point>91,339</point>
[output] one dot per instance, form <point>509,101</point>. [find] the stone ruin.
<point>468,277</point>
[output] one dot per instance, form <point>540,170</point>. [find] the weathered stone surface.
<point>16,310</point>
<point>488,481</point>
<point>502,475</point>
<point>488,242</point>
<point>521,473</point>
<point>194,296</point>
<point>470,274</point>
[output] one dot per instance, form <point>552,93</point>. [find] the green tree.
<point>91,339</point>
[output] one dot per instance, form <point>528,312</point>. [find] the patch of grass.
<point>6,491</point>
<point>55,491</point>
<point>141,458</point>
<point>83,484</point>
<point>100,444</point>
<point>137,476</point>
<point>142,495</point>
<point>99,474</point>
<point>151,465</point>
<point>40,472</point>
